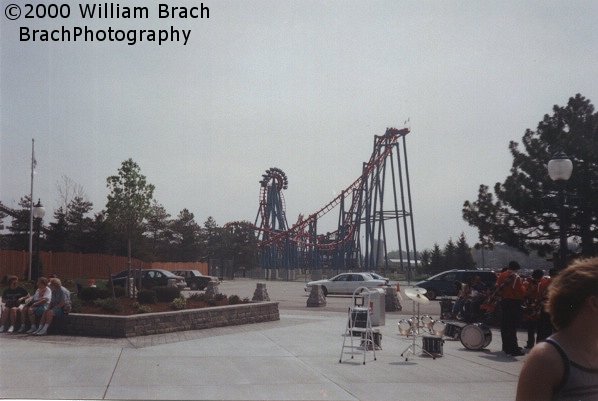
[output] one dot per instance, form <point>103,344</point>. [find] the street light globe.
<point>38,211</point>
<point>560,167</point>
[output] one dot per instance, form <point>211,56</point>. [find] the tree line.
<point>132,223</point>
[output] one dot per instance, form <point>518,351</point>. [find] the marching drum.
<point>439,327</point>
<point>453,330</point>
<point>432,345</point>
<point>476,336</point>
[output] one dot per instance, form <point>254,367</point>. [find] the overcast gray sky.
<point>300,85</point>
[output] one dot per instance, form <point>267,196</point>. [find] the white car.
<point>346,283</point>
<point>378,277</point>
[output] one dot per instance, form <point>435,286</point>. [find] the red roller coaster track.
<point>383,148</point>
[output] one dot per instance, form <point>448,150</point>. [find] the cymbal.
<point>415,290</point>
<point>417,296</point>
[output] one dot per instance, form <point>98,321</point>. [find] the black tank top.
<point>579,383</point>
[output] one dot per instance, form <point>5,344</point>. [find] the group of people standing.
<point>35,313</point>
<point>523,299</point>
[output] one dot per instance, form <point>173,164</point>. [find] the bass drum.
<point>476,336</point>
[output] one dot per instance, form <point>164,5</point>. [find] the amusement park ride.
<point>378,201</point>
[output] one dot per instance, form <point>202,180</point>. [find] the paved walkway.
<point>295,358</point>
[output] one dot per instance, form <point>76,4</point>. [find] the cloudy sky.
<point>300,85</point>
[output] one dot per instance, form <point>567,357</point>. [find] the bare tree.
<point>68,189</point>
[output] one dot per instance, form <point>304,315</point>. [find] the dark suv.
<point>150,278</point>
<point>443,284</point>
<point>195,280</point>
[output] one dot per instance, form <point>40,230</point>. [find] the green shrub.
<point>179,303</point>
<point>119,292</point>
<point>199,297</point>
<point>216,299</point>
<point>234,300</point>
<point>167,294</point>
<point>219,297</point>
<point>246,300</point>
<point>109,304</point>
<point>90,294</point>
<point>76,304</point>
<point>147,297</point>
<point>142,308</point>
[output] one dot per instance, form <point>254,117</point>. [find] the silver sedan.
<point>346,283</point>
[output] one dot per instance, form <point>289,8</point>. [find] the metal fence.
<point>83,265</point>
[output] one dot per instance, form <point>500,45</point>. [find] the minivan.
<point>443,284</point>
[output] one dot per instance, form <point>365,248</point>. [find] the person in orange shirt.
<point>532,307</point>
<point>512,291</point>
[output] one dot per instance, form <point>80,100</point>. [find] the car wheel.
<point>193,286</point>
<point>324,291</point>
<point>431,295</point>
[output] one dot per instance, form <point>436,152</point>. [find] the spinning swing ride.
<point>376,203</point>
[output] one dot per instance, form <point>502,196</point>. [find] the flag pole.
<point>31,209</point>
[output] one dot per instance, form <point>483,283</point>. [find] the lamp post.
<point>560,168</point>
<point>38,212</point>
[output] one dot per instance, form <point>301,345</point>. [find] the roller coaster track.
<point>283,246</point>
<point>386,142</point>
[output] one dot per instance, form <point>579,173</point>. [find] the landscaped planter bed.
<point>167,322</point>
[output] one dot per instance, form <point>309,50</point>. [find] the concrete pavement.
<point>295,358</point>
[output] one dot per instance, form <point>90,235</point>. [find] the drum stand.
<point>414,331</point>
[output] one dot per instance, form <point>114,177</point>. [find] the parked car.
<point>443,284</point>
<point>379,277</point>
<point>194,279</point>
<point>346,283</point>
<point>149,278</point>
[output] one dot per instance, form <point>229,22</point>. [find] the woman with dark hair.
<point>565,366</point>
<point>12,298</point>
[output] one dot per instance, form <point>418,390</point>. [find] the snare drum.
<point>476,336</point>
<point>453,330</point>
<point>432,345</point>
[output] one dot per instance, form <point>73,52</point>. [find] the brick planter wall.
<point>166,322</point>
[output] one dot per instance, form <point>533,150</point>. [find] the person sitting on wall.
<point>60,305</point>
<point>36,306</point>
<point>12,297</point>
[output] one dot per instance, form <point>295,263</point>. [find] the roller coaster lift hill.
<point>379,200</point>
